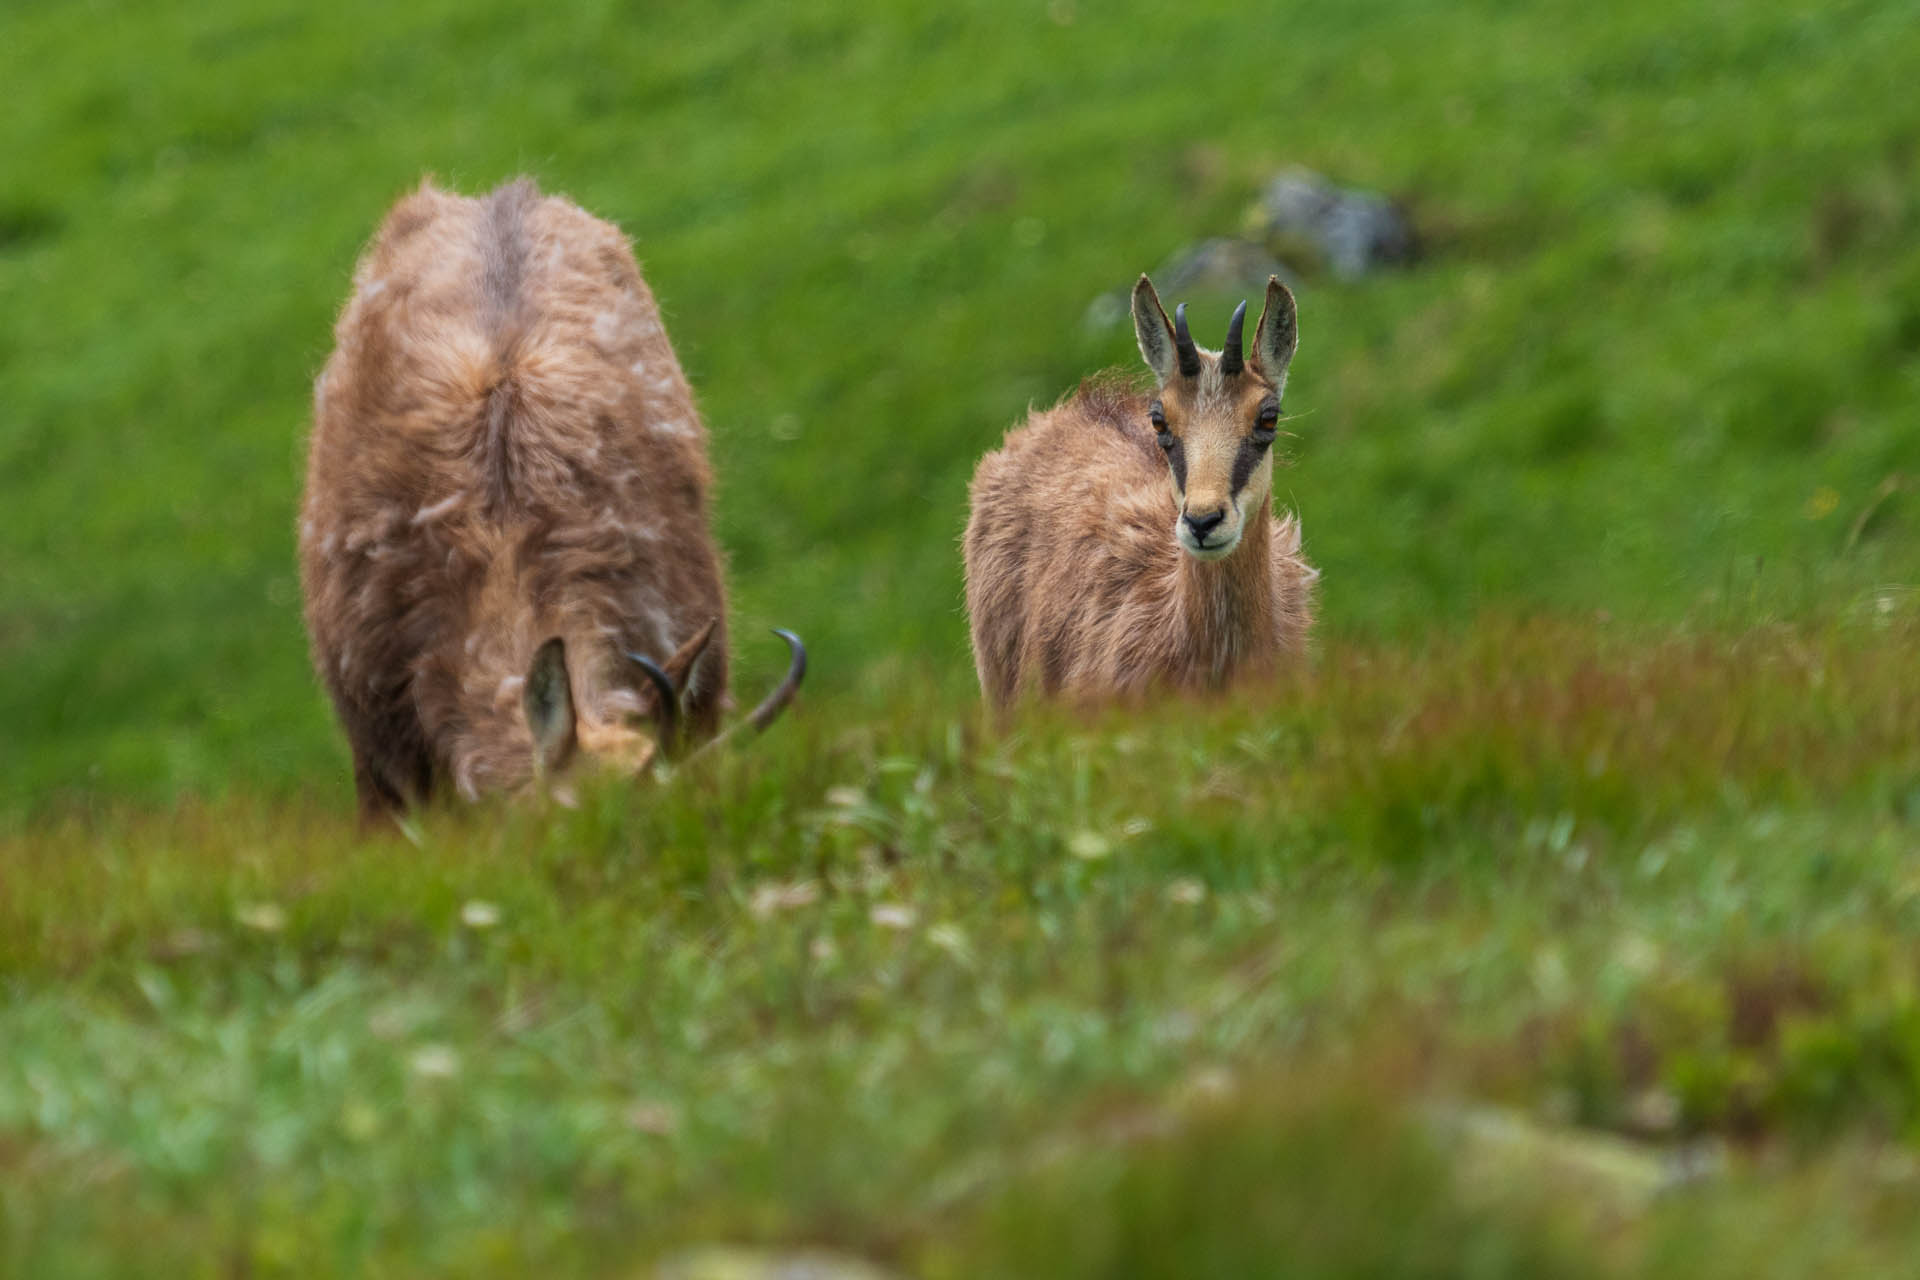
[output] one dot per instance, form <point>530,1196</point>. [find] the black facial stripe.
<point>1177,459</point>
<point>1244,462</point>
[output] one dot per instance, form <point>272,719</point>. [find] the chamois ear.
<point>1278,335</point>
<point>548,699</point>
<point>1153,331</point>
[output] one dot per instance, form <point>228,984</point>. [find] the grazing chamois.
<point>504,542</point>
<point>1121,541</point>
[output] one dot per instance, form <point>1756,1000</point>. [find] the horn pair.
<point>1232,358</point>
<point>759,718</point>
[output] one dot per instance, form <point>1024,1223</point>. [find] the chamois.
<point>1121,541</point>
<point>506,512</point>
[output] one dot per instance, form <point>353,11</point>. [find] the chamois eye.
<point>1158,417</point>
<point>1263,432</point>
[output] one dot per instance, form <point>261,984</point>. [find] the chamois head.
<point>567,738</point>
<point>1215,414</point>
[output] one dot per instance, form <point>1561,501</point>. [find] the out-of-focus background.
<point>1560,922</point>
<point>1658,354</point>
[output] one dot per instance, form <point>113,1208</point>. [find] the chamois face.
<point>569,741</point>
<point>1215,415</point>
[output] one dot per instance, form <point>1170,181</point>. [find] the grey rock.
<point>1219,265</point>
<point>1355,232</point>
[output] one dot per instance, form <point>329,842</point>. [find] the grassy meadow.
<point>1562,917</point>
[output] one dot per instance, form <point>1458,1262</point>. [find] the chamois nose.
<point>1202,525</point>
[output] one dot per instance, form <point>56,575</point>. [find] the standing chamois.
<point>504,543</point>
<point>1123,541</point>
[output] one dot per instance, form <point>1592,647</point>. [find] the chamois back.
<point>504,452</point>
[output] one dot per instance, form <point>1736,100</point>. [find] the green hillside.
<point>1601,803</point>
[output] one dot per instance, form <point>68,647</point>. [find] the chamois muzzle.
<point>1183,343</point>
<point>1231,355</point>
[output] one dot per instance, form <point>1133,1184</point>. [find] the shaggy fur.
<point>1077,584</point>
<point>504,450</point>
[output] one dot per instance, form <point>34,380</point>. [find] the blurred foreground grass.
<point>1081,1000</point>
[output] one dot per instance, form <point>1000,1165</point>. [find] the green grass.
<point>1600,803</point>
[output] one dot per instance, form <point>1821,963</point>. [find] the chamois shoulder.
<point>1104,418</point>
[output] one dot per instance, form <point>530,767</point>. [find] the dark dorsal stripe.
<point>504,251</point>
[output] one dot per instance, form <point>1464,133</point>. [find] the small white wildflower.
<point>435,1062</point>
<point>950,938</point>
<point>1187,892</point>
<point>479,915</point>
<point>775,896</point>
<point>893,915</point>
<point>1090,845</point>
<point>846,797</point>
<point>267,917</point>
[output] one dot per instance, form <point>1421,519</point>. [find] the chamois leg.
<point>379,801</point>
<point>391,768</point>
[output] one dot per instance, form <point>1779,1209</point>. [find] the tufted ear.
<point>548,699</point>
<point>1277,337</point>
<point>1154,332</point>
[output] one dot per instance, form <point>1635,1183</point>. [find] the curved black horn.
<point>774,703</point>
<point>769,710</point>
<point>1231,354</point>
<point>1183,343</point>
<point>669,699</point>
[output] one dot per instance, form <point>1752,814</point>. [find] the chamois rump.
<point>1121,541</point>
<point>504,541</point>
